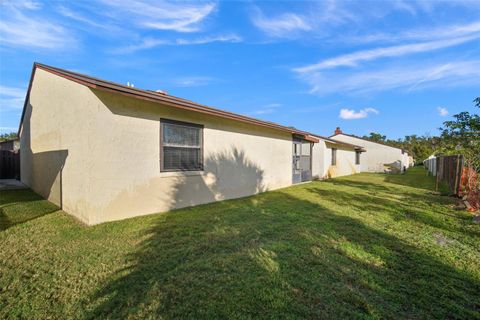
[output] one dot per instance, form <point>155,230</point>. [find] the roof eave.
<point>350,135</point>
<point>95,83</point>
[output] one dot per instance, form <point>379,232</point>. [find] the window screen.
<point>305,148</point>
<point>357,157</point>
<point>334,157</point>
<point>181,146</point>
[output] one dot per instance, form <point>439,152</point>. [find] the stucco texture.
<point>378,157</point>
<point>322,167</point>
<point>97,154</point>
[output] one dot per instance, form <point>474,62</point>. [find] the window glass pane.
<point>181,158</point>
<point>306,148</point>
<point>334,157</point>
<point>179,135</point>
<point>296,149</point>
<point>296,163</point>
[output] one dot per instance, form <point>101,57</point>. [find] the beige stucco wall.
<point>109,148</point>
<point>322,161</point>
<point>377,155</point>
<point>318,162</point>
<point>345,161</point>
<point>54,137</point>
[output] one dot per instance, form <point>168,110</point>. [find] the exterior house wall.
<point>322,161</point>
<point>97,154</point>
<point>377,155</point>
<point>345,161</point>
<point>318,162</point>
<point>55,159</point>
<point>405,160</point>
<point>239,160</point>
<point>411,161</point>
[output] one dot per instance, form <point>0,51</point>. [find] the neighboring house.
<point>77,134</point>
<point>333,158</point>
<point>431,164</point>
<point>411,161</point>
<point>10,145</point>
<point>379,157</point>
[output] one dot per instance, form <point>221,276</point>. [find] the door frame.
<point>298,177</point>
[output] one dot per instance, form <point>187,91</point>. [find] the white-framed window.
<point>181,146</point>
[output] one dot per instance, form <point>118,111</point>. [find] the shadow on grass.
<point>20,206</point>
<point>347,182</point>
<point>417,178</point>
<point>278,256</point>
<point>412,207</point>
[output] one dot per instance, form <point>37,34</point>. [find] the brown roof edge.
<point>27,97</point>
<point>353,136</point>
<point>96,83</point>
<point>359,148</point>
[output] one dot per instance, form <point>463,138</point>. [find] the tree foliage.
<point>376,137</point>
<point>419,147</point>
<point>7,136</point>
<point>461,135</point>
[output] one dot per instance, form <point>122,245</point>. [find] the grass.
<point>363,246</point>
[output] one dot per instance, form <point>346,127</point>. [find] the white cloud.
<point>317,18</point>
<point>280,26</point>
<point>28,30</point>
<point>66,12</point>
<point>11,97</point>
<point>323,17</point>
<point>353,59</point>
<point>194,81</point>
<point>350,114</point>
<point>444,32</point>
<point>149,43</point>
<point>405,6</point>
<point>233,38</point>
<point>267,109</point>
<point>22,4</point>
<point>442,111</point>
<point>413,76</point>
<point>162,15</point>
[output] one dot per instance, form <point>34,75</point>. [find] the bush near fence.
<point>470,187</point>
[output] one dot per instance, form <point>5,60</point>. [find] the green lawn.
<point>364,246</point>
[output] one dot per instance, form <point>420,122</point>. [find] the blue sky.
<point>393,67</point>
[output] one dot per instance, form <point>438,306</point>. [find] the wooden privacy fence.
<point>449,170</point>
<point>9,164</point>
<point>462,180</point>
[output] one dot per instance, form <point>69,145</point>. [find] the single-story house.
<point>334,158</point>
<point>379,157</point>
<point>411,161</point>
<point>104,151</point>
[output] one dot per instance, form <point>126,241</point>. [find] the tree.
<point>462,135</point>
<point>7,136</point>
<point>376,137</point>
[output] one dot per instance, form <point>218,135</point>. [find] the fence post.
<point>437,161</point>
<point>459,174</point>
